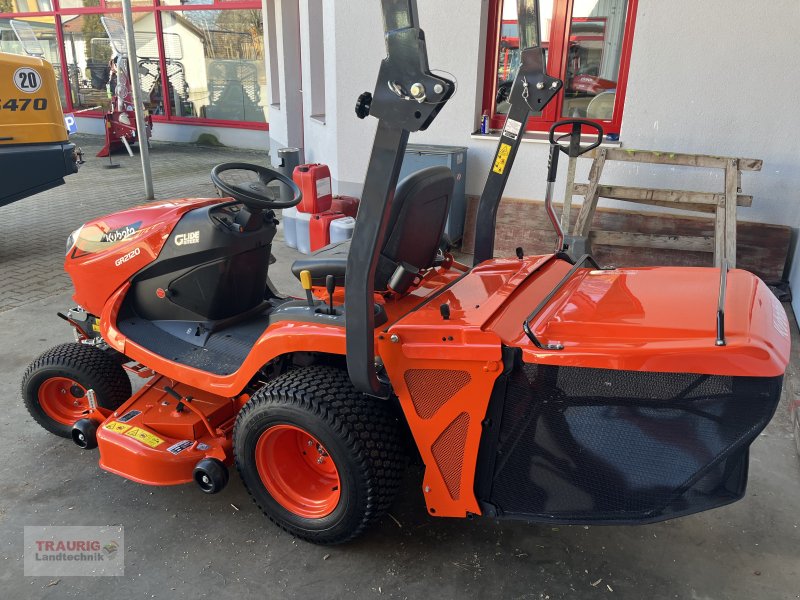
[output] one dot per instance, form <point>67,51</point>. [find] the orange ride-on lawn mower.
<point>533,387</point>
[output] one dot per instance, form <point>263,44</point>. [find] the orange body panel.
<point>629,319</point>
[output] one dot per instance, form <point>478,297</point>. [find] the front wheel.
<point>320,459</point>
<point>55,384</point>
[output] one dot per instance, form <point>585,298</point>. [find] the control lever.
<point>330,286</point>
<point>305,281</point>
<point>573,149</point>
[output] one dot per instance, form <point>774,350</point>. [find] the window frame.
<point>558,50</point>
<point>157,7</point>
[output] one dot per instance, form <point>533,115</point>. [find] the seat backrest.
<point>419,214</point>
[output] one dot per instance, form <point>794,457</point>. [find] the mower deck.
<point>150,440</point>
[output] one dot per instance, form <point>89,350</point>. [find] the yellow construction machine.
<point>35,151</point>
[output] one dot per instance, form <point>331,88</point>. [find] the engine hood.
<point>108,251</point>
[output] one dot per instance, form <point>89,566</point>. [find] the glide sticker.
<point>123,233</point>
<point>502,159</point>
<point>184,239</point>
<point>147,438</point>
<point>27,80</point>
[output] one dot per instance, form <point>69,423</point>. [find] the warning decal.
<point>147,438</point>
<point>502,159</point>
<point>117,427</point>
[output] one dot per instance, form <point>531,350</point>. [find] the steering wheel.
<point>256,194</point>
<point>574,148</point>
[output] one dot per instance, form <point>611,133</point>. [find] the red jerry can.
<point>314,180</point>
<point>320,229</point>
<point>347,205</point>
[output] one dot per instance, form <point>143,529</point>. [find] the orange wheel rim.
<point>297,471</point>
<point>63,399</point>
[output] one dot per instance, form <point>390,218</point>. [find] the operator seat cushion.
<point>330,260</point>
<point>416,224</point>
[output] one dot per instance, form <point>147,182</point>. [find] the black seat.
<point>417,221</point>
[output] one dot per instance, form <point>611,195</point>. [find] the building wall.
<point>704,78</point>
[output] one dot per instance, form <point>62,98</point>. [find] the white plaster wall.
<point>704,78</point>
<point>285,121</point>
<point>711,77</point>
<point>319,132</point>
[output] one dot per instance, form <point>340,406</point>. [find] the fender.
<point>283,337</point>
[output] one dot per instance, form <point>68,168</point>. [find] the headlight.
<point>73,237</point>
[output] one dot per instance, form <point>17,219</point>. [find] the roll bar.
<point>407,98</point>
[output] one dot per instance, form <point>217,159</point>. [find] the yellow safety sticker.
<point>147,438</point>
<point>95,327</point>
<point>117,427</point>
<point>502,159</point>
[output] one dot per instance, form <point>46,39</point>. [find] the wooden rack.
<point>722,205</point>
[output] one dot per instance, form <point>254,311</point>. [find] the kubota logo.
<point>117,235</point>
<point>123,259</point>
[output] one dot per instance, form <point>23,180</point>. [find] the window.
<point>210,52</point>
<point>587,45</point>
<point>215,64</point>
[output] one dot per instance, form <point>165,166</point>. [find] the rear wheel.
<point>55,384</point>
<point>320,459</point>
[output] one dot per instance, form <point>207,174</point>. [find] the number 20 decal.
<point>27,80</point>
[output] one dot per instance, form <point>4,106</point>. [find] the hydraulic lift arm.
<point>407,98</point>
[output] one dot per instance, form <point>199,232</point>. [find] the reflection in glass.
<point>89,54</point>
<point>216,64</point>
<point>509,47</point>
<point>593,59</point>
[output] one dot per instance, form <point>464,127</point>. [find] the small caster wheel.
<point>211,475</point>
<point>84,434</point>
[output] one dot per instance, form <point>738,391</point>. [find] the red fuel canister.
<point>347,205</point>
<point>320,228</point>
<point>314,180</point>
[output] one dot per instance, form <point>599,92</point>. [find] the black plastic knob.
<point>363,105</point>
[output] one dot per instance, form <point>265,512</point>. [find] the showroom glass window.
<point>587,45</point>
<point>212,53</point>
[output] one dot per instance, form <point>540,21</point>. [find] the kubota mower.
<point>534,387</point>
